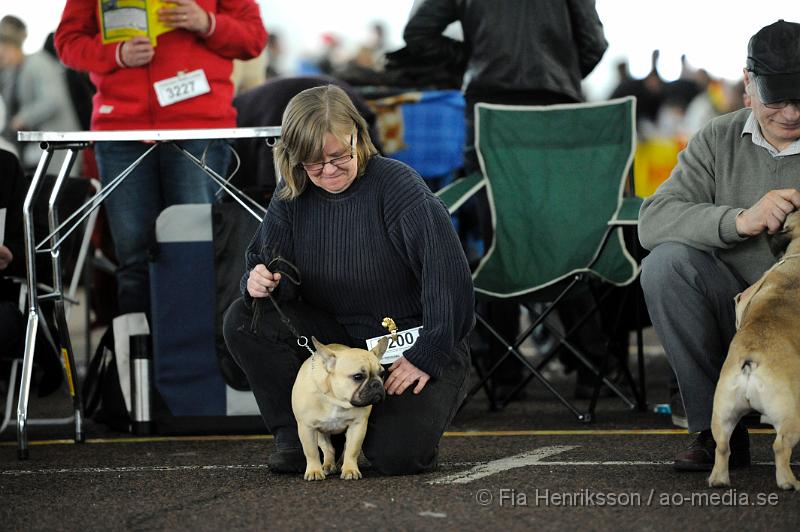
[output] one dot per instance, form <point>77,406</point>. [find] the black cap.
<point>773,55</point>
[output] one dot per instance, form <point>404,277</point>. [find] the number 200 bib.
<point>405,339</point>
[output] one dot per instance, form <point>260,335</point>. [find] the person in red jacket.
<point>130,76</point>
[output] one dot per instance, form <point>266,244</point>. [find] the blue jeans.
<point>165,177</point>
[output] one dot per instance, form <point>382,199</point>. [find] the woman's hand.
<point>403,374</point>
<point>187,15</point>
<point>136,52</point>
<point>262,282</point>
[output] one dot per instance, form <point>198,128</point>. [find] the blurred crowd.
<point>665,109</point>
<point>677,108</point>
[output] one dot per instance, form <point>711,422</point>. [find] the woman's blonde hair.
<point>307,118</point>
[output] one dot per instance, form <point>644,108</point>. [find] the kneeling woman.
<point>370,240</point>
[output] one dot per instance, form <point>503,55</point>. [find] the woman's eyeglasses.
<point>316,168</point>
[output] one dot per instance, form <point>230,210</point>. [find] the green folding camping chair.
<point>555,178</point>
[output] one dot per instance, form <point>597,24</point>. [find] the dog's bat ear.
<point>317,344</point>
<point>380,347</point>
<point>779,241</point>
<point>327,355</point>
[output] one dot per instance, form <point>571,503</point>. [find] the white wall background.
<point>712,33</point>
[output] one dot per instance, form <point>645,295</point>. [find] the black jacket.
<point>512,45</point>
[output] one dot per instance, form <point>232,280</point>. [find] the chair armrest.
<point>627,212</point>
<point>459,191</point>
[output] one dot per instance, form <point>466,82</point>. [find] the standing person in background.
<point>274,67</point>
<point>517,52</point>
<point>40,95</point>
<point>13,33</point>
<point>649,93</point>
<point>5,144</point>
<point>207,36</point>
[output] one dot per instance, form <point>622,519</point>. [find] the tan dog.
<point>762,370</point>
<point>334,392</point>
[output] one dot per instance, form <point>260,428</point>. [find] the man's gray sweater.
<point>720,173</point>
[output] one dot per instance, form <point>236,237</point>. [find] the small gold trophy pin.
<point>389,325</point>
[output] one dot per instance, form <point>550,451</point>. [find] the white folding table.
<point>73,142</point>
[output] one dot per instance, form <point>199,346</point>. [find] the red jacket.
<point>125,97</point>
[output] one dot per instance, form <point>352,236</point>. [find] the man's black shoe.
<point>700,455</point>
<point>287,461</point>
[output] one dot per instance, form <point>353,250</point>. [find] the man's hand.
<point>403,374</point>
<point>136,52</point>
<point>769,213</point>
<point>187,15</point>
<point>262,281</point>
<point>5,257</point>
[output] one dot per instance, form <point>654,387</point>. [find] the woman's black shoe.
<point>287,461</point>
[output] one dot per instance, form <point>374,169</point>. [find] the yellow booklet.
<point>122,19</point>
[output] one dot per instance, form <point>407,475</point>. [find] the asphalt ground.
<point>529,466</point>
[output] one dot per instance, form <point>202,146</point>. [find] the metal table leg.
<point>33,304</point>
<point>64,341</point>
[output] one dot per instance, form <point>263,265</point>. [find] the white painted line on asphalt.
<point>528,458</point>
<point>128,469</point>
<point>155,469</point>
<point>630,463</point>
<point>534,458</point>
<point>477,468</point>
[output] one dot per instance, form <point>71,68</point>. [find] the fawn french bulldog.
<point>333,393</point>
<point>762,370</point>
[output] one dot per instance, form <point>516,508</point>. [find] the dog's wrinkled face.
<point>353,375</point>
<point>780,240</point>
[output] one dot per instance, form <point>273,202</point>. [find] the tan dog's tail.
<point>748,366</point>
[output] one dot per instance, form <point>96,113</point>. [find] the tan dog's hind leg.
<point>720,476</point>
<point>308,438</point>
<point>352,448</point>
<point>787,437</point>
<point>728,410</point>
<point>328,454</point>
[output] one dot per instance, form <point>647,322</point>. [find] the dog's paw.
<point>329,469</point>
<point>351,473</point>
<point>789,485</point>
<point>716,480</point>
<point>314,474</point>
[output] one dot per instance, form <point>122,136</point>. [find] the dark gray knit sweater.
<point>383,247</point>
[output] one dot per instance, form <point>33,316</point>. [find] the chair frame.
<point>471,185</point>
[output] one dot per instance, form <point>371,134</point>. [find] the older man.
<point>707,225</point>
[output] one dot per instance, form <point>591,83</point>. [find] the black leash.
<point>294,278</point>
